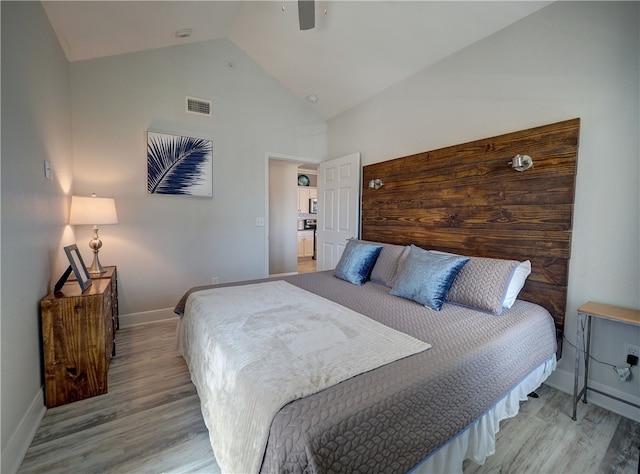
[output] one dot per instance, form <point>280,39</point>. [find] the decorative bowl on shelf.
<point>303,180</point>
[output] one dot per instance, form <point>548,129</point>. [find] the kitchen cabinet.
<point>304,194</point>
<point>305,243</point>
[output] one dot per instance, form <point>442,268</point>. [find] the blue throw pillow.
<point>427,277</point>
<point>356,262</point>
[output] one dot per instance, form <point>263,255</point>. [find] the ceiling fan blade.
<point>307,14</point>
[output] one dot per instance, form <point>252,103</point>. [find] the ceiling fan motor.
<point>307,14</point>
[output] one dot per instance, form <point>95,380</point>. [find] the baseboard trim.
<point>278,275</point>
<point>20,440</point>
<point>563,380</point>
<point>133,319</point>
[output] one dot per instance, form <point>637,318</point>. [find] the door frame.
<point>268,156</point>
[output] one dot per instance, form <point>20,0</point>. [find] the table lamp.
<point>93,211</point>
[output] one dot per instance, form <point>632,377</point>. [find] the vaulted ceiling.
<point>357,48</point>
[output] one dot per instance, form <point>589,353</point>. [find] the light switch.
<point>259,221</point>
<point>48,171</point>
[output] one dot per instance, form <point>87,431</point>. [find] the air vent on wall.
<point>198,106</point>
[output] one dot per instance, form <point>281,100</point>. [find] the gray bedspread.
<point>391,418</point>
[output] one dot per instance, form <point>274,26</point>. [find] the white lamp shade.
<point>92,211</point>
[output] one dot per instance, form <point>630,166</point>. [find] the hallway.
<point>306,265</point>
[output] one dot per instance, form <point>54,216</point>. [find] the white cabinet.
<point>304,194</point>
<point>303,199</point>
<point>305,243</point>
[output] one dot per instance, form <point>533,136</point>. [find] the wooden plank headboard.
<point>467,199</point>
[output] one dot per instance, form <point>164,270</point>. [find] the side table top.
<point>108,273</point>
<point>617,313</point>
<point>72,289</point>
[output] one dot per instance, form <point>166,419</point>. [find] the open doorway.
<point>307,213</point>
<point>286,213</point>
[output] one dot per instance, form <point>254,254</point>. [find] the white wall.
<point>36,125</point>
<point>568,60</point>
<point>162,244</point>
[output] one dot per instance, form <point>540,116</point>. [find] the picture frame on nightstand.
<point>78,266</point>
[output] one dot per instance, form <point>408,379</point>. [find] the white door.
<point>338,208</point>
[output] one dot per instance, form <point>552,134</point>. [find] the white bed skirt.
<point>478,440</point>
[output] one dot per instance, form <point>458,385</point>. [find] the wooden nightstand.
<point>78,341</point>
<point>597,310</point>
<point>110,273</point>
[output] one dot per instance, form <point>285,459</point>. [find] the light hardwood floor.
<point>306,265</point>
<point>150,422</point>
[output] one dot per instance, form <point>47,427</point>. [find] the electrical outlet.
<point>215,280</point>
<point>630,349</point>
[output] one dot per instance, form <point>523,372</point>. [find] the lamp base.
<point>95,244</point>
<point>96,267</point>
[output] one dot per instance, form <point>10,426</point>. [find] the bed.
<point>425,411</point>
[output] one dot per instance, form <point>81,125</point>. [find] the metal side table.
<point>597,310</point>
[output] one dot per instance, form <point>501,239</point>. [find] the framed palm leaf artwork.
<point>179,165</point>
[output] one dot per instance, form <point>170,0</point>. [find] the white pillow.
<point>520,275</point>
